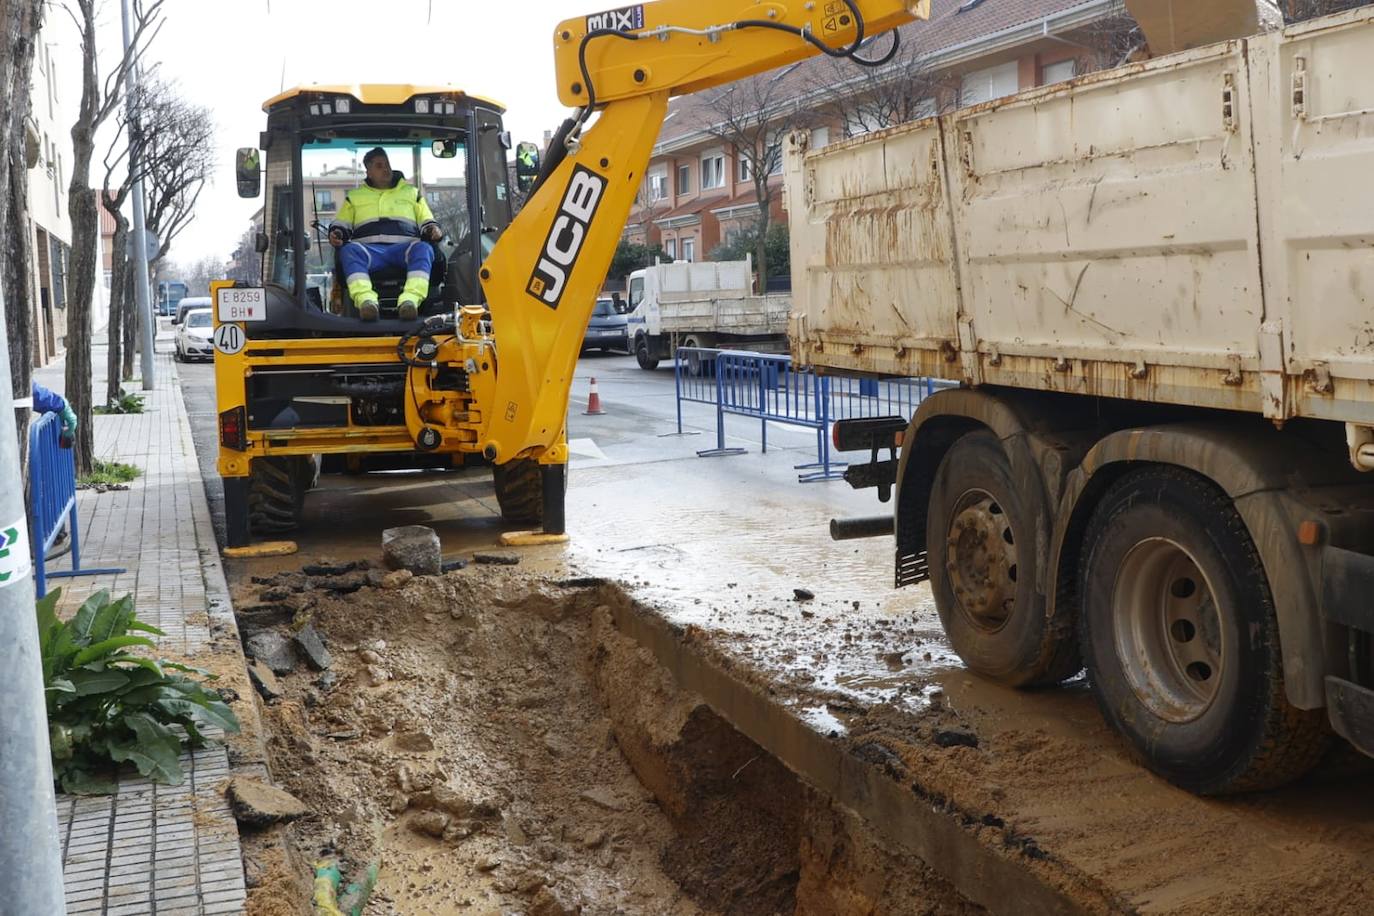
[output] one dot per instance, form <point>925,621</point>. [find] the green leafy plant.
<point>107,706</point>
<point>127,402</point>
<point>108,472</point>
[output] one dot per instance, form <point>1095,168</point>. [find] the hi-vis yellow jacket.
<point>395,214</point>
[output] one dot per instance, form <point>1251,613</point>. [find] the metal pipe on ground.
<point>30,855</point>
<point>853,529</point>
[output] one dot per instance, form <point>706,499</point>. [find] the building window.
<point>658,186</point>
<point>713,171</point>
<point>993,83</point>
<point>670,248</point>
<point>684,179</point>
<point>689,249</point>
<point>820,138</point>
<point>1059,72</point>
<point>324,200</point>
<point>746,169</point>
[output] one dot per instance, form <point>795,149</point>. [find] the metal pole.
<point>30,855</point>
<point>143,296</point>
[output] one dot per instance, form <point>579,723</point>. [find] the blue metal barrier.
<point>766,387</point>
<point>52,500</point>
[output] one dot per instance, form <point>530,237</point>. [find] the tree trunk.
<point>119,266</point>
<point>765,201</point>
<point>130,321</point>
<point>85,225</point>
<point>20,21</point>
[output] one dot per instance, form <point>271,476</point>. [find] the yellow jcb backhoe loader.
<point>483,376</point>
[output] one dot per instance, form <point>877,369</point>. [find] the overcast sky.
<point>232,55</point>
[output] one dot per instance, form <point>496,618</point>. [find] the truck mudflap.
<point>1350,708</point>
<point>1347,584</point>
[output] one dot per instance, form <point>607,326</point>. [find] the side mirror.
<point>445,149</point>
<point>526,166</point>
<point>260,243</point>
<point>248,171</point>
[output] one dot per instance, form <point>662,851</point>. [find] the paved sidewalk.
<point>153,849</point>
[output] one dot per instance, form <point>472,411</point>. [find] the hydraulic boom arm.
<point>543,276</point>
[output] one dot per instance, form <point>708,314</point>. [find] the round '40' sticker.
<point>230,339</point>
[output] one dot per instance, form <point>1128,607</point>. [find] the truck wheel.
<point>519,491</point>
<point>644,356</point>
<point>276,493</point>
<point>1181,642</point>
<point>980,535</point>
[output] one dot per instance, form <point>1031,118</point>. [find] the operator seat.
<point>390,281</point>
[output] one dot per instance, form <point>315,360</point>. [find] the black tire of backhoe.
<point>275,495</point>
<point>520,490</point>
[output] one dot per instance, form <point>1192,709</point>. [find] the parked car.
<point>608,329</point>
<point>190,302</point>
<point>193,336</point>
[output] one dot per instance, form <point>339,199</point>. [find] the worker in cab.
<point>385,223</point>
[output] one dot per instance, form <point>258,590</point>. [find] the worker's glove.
<point>433,232</point>
<point>68,426</point>
<point>336,237</point>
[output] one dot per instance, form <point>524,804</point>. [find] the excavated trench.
<point>498,743</point>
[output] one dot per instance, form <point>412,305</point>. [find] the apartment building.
<point>53,107</point>
<point>698,189</point>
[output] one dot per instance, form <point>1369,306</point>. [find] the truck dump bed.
<point>1196,229</point>
<point>714,296</point>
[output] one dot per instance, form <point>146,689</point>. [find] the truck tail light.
<point>233,428</point>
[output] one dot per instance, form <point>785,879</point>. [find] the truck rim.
<point>981,560</point>
<point>1167,631</point>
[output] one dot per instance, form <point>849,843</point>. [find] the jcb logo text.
<point>566,236</point>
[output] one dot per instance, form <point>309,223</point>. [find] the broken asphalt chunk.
<point>312,648</point>
<point>412,547</point>
<point>257,804</point>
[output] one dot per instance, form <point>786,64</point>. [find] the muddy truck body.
<point>1156,287</point>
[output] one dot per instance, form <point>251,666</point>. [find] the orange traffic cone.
<point>593,402</point>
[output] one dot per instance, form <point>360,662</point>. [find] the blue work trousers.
<point>361,258</point>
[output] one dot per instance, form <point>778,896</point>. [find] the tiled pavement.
<point>153,849</point>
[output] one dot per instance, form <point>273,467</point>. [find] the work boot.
<point>407,310</point>
<point>368,310</point>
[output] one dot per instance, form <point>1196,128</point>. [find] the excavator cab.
<point>448,144</point>
<point>303,383</point>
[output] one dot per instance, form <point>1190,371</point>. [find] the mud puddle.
<point>496,745</point>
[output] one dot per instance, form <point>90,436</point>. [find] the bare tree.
<point>1295,10</point>
<point>864,99</point>
<point>751,117</point>
<point>20,21</point>
<point>199,274</point>
<point>98,102</point>
<point>180,154</point>
<point>245,264</point>
<point>172,148</point>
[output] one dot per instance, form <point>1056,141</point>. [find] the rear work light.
<point>233,428</point>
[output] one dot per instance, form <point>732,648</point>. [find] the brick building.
<point>699,191</point>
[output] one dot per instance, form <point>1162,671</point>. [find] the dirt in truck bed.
<point>497,744</point>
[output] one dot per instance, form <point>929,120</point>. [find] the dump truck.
<point>481,375</point>
<point>707,304</point>
<point>1155,286</point>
